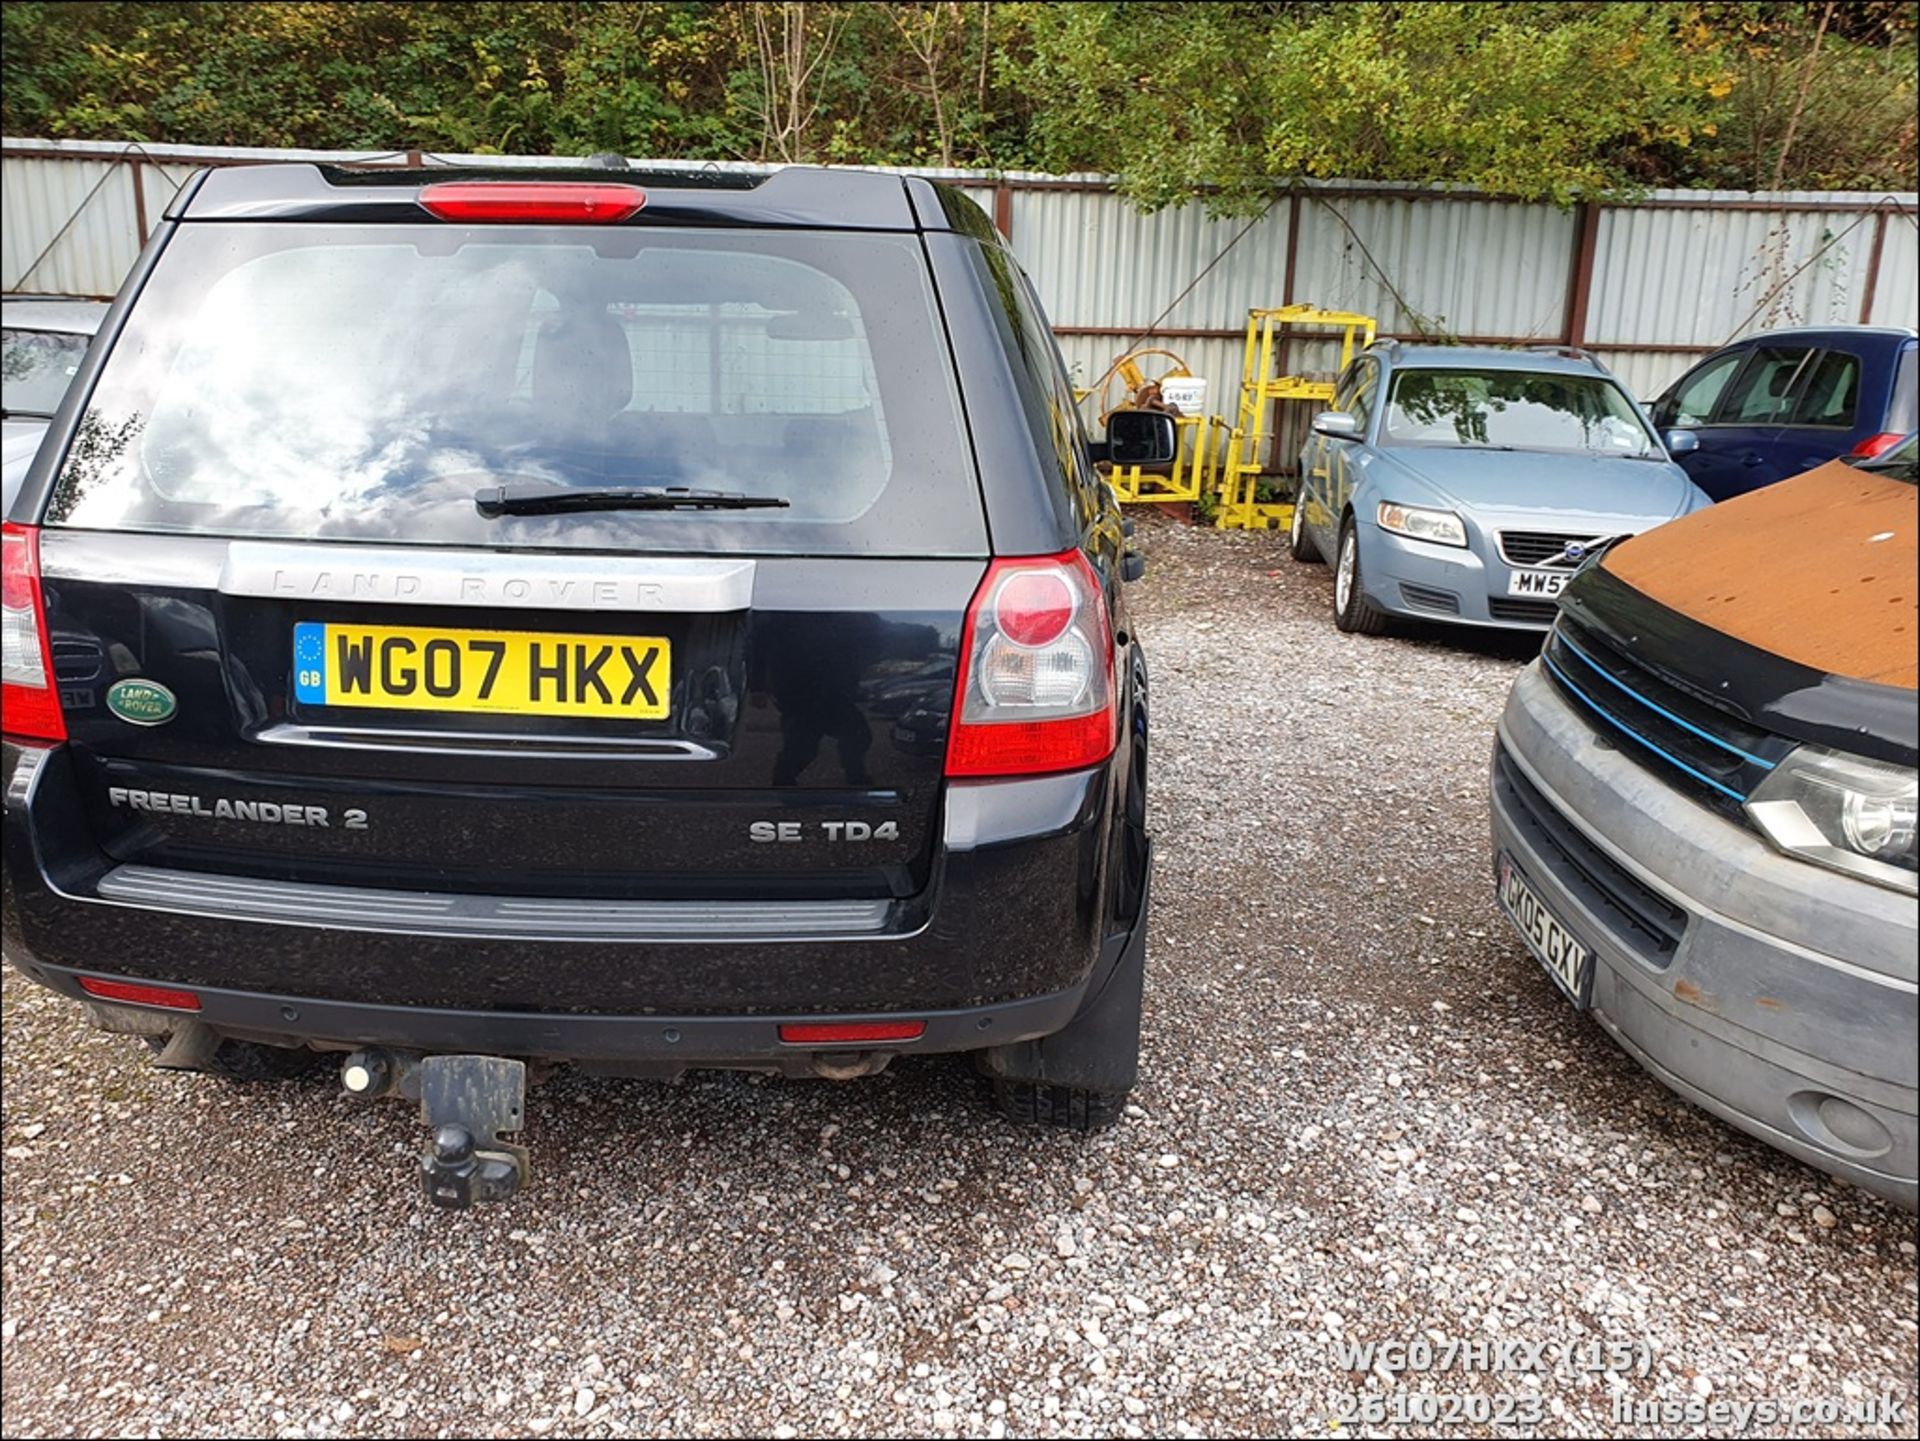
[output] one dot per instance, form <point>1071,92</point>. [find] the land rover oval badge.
<point>141,702</point>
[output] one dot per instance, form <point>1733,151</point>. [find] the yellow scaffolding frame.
<point>1242,465</point>
<point>1196,465</point>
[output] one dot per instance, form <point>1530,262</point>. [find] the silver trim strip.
<point>181,562</point>
<point>465,743</point>
<point>403,575</point>
<point>359,908</point>
<point>506,579</point>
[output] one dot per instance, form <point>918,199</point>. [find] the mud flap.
<point>1099,1049</point>
<point>469,1101</point>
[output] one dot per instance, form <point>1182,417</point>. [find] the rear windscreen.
<point>367,383</point>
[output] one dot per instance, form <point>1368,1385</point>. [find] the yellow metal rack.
<point>1241,465</point>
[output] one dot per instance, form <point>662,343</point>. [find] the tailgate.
<point>773,727</point>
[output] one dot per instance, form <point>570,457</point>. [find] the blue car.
<point>1784,401</point>
<point>1467,485</point>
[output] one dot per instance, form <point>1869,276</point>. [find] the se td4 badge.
<point>141,702</point>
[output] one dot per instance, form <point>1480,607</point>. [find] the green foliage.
<point>1540,101</point>
<point>1537,100</point>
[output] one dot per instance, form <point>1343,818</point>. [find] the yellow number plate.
<point>505,672</point>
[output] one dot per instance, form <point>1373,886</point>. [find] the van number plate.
<point>500,672</point>
<point>1553,945</point>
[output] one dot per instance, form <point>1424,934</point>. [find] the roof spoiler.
<point>793,197</point>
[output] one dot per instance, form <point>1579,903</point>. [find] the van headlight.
<point>1854,815</point>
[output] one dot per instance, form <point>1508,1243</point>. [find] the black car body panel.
<point>782,840</point>
<point>1018,907</point>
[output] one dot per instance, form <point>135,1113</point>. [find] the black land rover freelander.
<point>641,619</point>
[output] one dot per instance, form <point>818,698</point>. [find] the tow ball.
<point>468,1101</point>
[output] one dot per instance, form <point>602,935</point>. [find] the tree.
<point>794,42</point>
<point>1217,100</point>
<point>1533,100</point>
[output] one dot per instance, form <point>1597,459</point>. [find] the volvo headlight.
<point>1855,815</point>
<point>1442,527</point>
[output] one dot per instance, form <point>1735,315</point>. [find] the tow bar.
<point>468,1101</point>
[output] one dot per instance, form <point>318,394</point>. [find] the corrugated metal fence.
<point>1648,284</point>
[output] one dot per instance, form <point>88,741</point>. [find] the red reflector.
<point>532,202</point>
<point>1876,445</point>
<point>847,1033</point>
<point>140,995</point>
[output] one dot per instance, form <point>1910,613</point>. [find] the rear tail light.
<point>140,995</point>
<point>850,1033</point>
<point>29,701</point>
<point>1035,691</point>
<point>531,202</point>
<point>1875,445</point>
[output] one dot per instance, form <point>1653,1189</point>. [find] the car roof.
<point>63,314</point>
<point>1487,357</point>
<point>794,196</point>
<point>1898,332</point>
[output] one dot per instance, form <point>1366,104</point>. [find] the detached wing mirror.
<point>1681,442</point>
<point>1336,425</point>
<point>1141,437</point>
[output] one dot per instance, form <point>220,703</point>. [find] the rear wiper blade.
<point>504,500</point>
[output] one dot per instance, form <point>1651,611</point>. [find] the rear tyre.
<point>1299,542</point>
<point>249,1062</point>
<point>1064,1108</point>
<point>1352,611</point>
<point>1078,1078</point>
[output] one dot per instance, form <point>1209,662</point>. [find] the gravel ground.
<point>1365,1115</point>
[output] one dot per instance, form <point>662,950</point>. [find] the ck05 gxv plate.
<point>501,672</point>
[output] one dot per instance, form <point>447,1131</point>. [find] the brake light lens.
<point>1035,691</point>
<point>140,995</point>
<point>1875,445</point>
<point>29,702</point>
<point>849,1033</point>
<point>532,202</point>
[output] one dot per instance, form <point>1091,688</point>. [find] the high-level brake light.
<point>532,202</point>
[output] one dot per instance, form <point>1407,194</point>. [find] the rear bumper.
<point>1014,927</point>
<point>1773,993</point>
<point>654,1044</point>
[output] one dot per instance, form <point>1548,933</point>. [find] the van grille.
<point>1643,918</point>
<point>1715,756</point>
